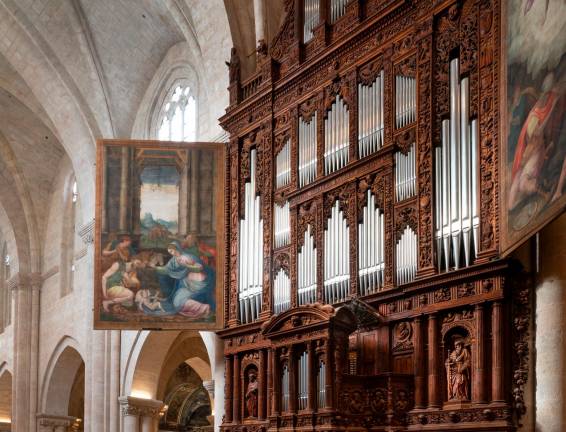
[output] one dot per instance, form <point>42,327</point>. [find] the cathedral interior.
<point>390,210</point>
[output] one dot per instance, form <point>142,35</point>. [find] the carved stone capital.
<point>54,423</point>
<point>209,386</point>
<point>86,232</point>
<point>138,407</point>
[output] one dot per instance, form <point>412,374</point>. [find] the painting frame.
<point>218,150</point>
<point>511,238</point>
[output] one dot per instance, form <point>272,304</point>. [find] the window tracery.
<point>177,119</point>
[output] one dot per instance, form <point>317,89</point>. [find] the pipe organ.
<point>370,116</point>
<point>405,100</point>
<point>307,151</point>
<point>281,292</point>
<point>311,18</point>
<point>405,174</point>
<point>336,257</point>
<point>282,225</point>
<point>306,270</point>
<point>383,251</point>
<point>303,366</point>
<point>406,256</point>
<point>371,259</point>
<point>283,166</point>
<point>456,179</point>
<point>336,137</point>
<point>251,250</point>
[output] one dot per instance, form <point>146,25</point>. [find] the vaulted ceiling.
<point>72,71</point>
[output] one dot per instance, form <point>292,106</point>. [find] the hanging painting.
<point>159,235</point>
<point>533,159</point>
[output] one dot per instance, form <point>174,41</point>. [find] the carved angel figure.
<point>458,372</point>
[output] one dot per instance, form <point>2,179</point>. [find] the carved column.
<point>228,396</point>
<point>433,377</point>
<point>140,415</point>
<point>292,381</point>
<point>497,385</point>
<point>329,377</point>
<point>236,387</point>
<point>275,377</point>
<point>478,395</point>
<point>419,364</point>
<point>262,407</point>
<point>270,373</point>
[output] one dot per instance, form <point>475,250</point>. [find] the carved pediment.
<point>298,318</point>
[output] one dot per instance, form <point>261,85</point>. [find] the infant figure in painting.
<point>458,372</point>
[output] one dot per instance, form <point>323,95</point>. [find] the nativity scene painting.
<point>158,227</point>
<point>534,138</point>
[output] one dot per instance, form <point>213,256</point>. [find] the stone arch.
<point>5,394</point>
<point>62,368</point>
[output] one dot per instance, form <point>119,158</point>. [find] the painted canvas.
<point>159,225</point>
<point>533,162</point>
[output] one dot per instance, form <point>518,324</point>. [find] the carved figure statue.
<point>251,394</point>
<point>458,372</point>
<point>234,66</point>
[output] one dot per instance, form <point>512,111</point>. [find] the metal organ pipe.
<point>285,389</point>
<point>406,256</point>
<point>306,270</point>
<point>371,262</point>
<point>456,175</point>
<point>405,174</point>
<point>405,100</point>
<point>321,385</point>
<point>282,225</point>
<point>307,150</point>
<point>281,292</point>
<point>303,380</point>
<point>337,9</point>
<point>283,166</point>
<point>311,18</point>
<point>370,116</point>
<point>336,257</point>
<point>251,250</point>
<point>336,137</point>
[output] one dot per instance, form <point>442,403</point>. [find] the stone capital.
<point>138,407</point>
<point>55,423</point>
<point>25,281</point>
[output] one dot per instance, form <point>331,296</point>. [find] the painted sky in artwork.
<point>159,194</point>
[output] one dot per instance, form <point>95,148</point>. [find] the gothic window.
<point>177,119</point>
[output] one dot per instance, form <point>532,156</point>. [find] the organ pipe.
<point>306,270</point>
<point>307,150</point>
<point>405,174</point>
<point>457,217</point>
<point>336,257</point>
<point>406,256</point>
<point>370,116</point>
<point>337,9</point>
<point>251,250</point>
<point>321,385</point>
<point>281,292</point>
<point>283,166</point>
<point>405,100</point>
<point>336,136</point>
<point>311,18</point>
<point>282,225</point>
<point>303,392</point>
<point>285,396</point>
<point>371,260</point>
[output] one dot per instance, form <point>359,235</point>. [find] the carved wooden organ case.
<point>365,286</point>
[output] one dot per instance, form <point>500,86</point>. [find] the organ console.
<point>362,224</point>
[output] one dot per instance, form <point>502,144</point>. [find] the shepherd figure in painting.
<point>187,286</point>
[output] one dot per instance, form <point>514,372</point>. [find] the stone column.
<point>140,415</point>
<point>419,365</point>
<point>124,174</point>
<point>433,378</point>
<point>478,390</point>
<point>54,423</point>
<point>497,384</point>
<point>550,337</point>
<point>259,18</point>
